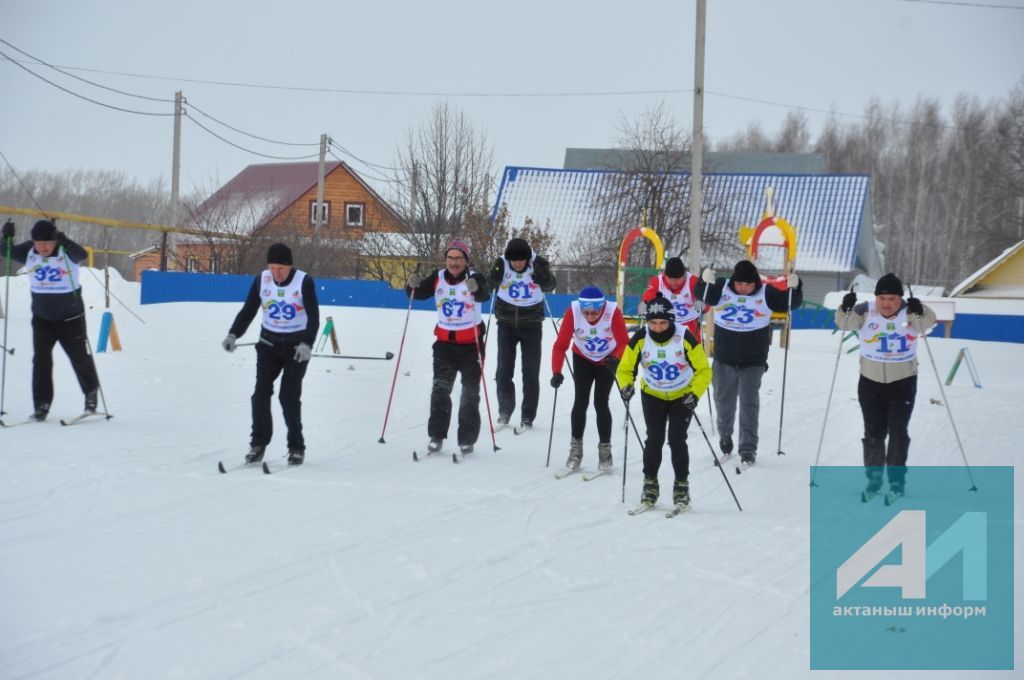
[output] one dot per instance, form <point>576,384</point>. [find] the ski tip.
<point>415,456</point>
<point>266,468</point>
<point>738,470</point>
<point>220,467</point>
<point>455,458</point>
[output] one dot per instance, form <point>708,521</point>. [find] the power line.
<point>345,151</point>
<point>18,177</point>
<point>248,134</point>
<point>980,5</point>
<point>80,96</point>
<point>242,148</point>
<point>84,80</point>
<point>370,174</point>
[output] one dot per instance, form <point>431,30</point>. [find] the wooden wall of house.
<point>340,188</point>
<point>1009,272</point>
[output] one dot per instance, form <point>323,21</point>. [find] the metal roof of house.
<point>826,210</point>
<point>974,285</point>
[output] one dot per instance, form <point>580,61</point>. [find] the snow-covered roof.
<point>826,210</point>
<point>993,291</point>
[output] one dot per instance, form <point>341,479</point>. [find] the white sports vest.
<point>742,313</point>
<point>518,288</point>
<point>456,308</point>
<point>53,274</point>
<point>888,340</point>
<point>665,367</point>
<point>596,341</point>
<point>283,308</point>
<point>682,301</point>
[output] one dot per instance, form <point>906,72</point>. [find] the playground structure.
<point>632,280</point>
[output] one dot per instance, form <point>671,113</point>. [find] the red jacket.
<point>565,335</point>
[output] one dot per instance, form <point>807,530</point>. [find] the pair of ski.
<point>676,510</point>
<point>740,467</point>
<point>585,478</point>
<point>889,497</point>
<point>457,457</point>
<point>64,421</point>
<point>518,429</point>
<point>266,468</point>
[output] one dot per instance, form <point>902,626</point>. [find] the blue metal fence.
<point>160,287</point>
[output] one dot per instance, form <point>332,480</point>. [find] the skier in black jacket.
<point>743,308</point>
<point>520,279</point>
<point>291,319</point>
<point>58,313</point>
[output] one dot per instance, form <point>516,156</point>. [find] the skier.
<point>51,260</point>
<point>743,309</point>
<point>291,319</point>
<point>598,334</point>
<point>458,293</point>
<point>520,278</point>
<point>674,373</point>
<point>677,285</point>
<point>888,328</point>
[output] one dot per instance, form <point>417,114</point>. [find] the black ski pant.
<point>886,408</point>
<point>72,336</point>
<point>586,374</point>
<point>658,413</point>
<point>271,362</point>
<point>530,341</point>
<point>450,360</point>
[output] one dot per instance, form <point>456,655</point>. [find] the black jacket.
<point>521,317</point>
<point>252,306</point>
<point>747,348</point>
<point>53,306</point>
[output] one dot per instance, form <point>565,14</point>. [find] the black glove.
<point>627,392</point>
<point>62,239</point>
<point>556,380</point>
<point>8,229</point>
<point>914,306</point>
<point>612,363</point>
<point>690,402</point>
<point>497,271</point>
<point>849,300</point>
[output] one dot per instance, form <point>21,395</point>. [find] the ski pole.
<point>828,402</point>
<point>945,401</point>
<point>88,347</point>
<point>7,322</point>
<point>394,379</point>
<point>704,345</point>
<point>551,435</point>
<point>387,356</point>
<point>625,447</point>
<point>261,341</point>
<point>718,463</point>
<point>486,399</point>
<point>9,351</point>
<point>787,330</point>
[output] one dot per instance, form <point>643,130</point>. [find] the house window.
<point>192,265</point>
<point>354,214</point>
<point>215,263</point>
<point>325,214</point>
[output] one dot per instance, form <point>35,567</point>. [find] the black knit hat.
<point>745,272</point>
<point>889,285</point>
<point>44,230</point>
<point>660,308</point>
<point>518,249</point>
<point>279,253</point>
<point>674,268</point>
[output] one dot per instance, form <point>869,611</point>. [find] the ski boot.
<point>575,454</point>
<point>681,494</point>
<point>465,449</point>
<point>255,454</point>
<point>296,456</point>
<point>649,495</point>
<point>91,401</point>
<point>40,413</point>
<point>435,445</point>
<point>725,444</point>
<point>604,456</point>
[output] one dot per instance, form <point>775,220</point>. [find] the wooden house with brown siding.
<point>280,198</point>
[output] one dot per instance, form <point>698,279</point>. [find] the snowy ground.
<point>124,554</point>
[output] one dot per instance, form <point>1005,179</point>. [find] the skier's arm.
<point>483,291</point>
<point>713,294</point>
<point>19,253</point>
<point>75,252</point>
<point>652,289</point>
<point>248,311</point>
<point>620,332</point>
<point>309,299</point>
<point>563,341</point>
<point>852,320</point>
<point>625,374</point>
<point>497,272</point>
<point>542,274</point>
<point>425,288</point>
<point>778,300</point>
<point>699,362</point>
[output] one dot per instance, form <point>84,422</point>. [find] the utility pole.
<point>175,174</point>
<point>318,222</point>
<point>697,152</point>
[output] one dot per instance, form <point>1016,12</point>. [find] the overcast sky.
<point>817,54</point>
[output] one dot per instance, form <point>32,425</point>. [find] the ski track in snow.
<point>125,554</point>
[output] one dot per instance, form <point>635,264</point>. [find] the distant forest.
<point>947,187</point>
